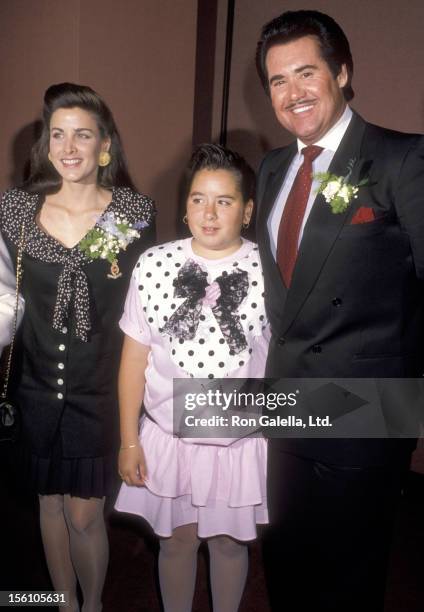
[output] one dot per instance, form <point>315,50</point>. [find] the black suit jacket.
<point>355,307</point>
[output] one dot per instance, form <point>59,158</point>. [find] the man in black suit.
<point>344,294</point>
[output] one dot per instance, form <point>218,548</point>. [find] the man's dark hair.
<point>292,25</point>
<point>216,157</point>
<point>43,178</point>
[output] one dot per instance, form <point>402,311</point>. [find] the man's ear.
<point>343,76</point>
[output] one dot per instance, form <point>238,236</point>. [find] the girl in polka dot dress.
<point>178,325</point>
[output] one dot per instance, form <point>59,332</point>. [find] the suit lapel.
<point>316,244</point>
<point>275,179</point>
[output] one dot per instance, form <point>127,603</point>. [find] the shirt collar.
<point>333,137</point>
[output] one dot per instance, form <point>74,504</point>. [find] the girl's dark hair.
<point>292,25</point>
<point>43,177</point>
<point>216,157</point>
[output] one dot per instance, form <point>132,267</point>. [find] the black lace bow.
<point>191,283</point>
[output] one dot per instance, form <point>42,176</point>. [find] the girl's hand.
<point>132,466</point>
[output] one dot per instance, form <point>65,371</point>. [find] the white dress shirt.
<point>7,297</point>
<point>329,142</point>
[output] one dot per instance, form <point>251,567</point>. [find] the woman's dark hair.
<point>292,25</point>
<point>43,177</point>
<point>216,157</point>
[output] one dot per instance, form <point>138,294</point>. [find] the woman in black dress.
<point>82,227</point>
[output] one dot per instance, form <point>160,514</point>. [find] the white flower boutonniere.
<point>110,235</point>
<point>337,190</point>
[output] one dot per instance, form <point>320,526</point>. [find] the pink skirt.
<point>221,488</point>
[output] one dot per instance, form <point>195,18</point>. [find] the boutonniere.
<point>110,235</point>
<point>337,190</point>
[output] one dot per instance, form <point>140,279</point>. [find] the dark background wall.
<point>138,54</point>
<point>141,56</point>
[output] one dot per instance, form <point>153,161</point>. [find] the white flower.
<point>331,189</point>
<point>344,193</point>
<point>337,191</point>
<point>94,248</point>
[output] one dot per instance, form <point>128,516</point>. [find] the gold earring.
<point>185,220</point>
<point>104,159</point>
<point>49,156</point>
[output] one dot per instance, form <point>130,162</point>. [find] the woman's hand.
<point>132,466</point>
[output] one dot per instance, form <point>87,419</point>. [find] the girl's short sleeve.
<point>133,321</point>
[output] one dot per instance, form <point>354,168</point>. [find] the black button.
<point>317,348</point>
<point>337,302</point>
<point>281,341</point>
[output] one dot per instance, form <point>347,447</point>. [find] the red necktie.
<point>294,210</point>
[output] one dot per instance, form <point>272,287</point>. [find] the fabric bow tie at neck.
<point>294,211</point>
<point>191,283</point>
<point>73,281</point>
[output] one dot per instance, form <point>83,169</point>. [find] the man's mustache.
<point>299,103</point>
